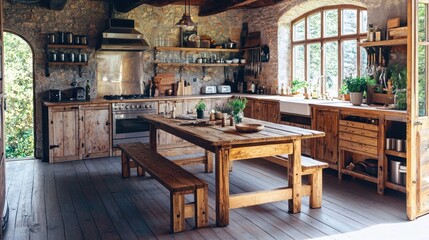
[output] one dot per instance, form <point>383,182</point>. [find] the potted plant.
<point>298,86</point>
<point>356,86</point>
<point>201,106</point>
<point>345,92</point>
<point>222,109</point>
<point>237,105</point>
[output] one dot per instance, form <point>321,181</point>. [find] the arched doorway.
<point>19,90</point>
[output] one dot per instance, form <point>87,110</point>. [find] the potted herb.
<point>201,106</point>
<point>345,92</point>
<point>237,105</point>
<point>222,109</point>
<point>356,86</point>
<point>298,86</point>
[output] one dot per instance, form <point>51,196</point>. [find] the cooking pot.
<point>230,45</point>
<point>371,166</point>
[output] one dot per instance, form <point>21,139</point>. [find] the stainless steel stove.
<point>127,127</point>
<point>125,96</point>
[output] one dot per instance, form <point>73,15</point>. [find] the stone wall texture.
<point>33,22</point>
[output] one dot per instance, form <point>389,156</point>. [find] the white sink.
<point>300,106</point>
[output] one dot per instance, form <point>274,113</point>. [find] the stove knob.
<point>126,106</point>
<point>136,106</point>
<point>146,106</point>
<point>140,106</point>
<point>151,106</point>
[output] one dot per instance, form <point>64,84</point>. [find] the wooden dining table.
<point>229,145</point>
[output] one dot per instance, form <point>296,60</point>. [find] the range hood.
<point>121,36</point>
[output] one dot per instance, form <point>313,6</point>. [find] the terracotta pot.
<point>346,97</point>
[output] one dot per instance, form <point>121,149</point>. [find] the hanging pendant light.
<point>186,21</point>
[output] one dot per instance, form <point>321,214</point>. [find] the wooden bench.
<point>311,168</point>
<point>173,177</point>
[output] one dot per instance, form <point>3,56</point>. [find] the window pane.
<point>363,61</point>
<point>422,22</point>
<point>313,63</point>
<point>298,62</point>
<point>331,68</point>
<point>299,31</point>
<point>314,22</point>
<point>422,81</point>
<point>349,58</point>
<point>349,23</point>
<point>331,23</point>
<point>363,21</point>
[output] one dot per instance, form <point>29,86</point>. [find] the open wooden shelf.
<point>395,186</point>
<point>198,49</point>
<point>199,64</point>
<point>360,175</point>
<point>396,153</point>
<point>72,46</point>
<point>385,43</point>
<point>68,63</point>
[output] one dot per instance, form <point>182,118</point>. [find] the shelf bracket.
<point>47,73</point>
<point>204,71</point>
<point>80,70</point>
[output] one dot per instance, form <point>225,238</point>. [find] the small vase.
<point>238,117</point>
<point>356,98</point>
<point>200,114</point>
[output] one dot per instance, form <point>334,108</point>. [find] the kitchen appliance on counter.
<point>208,90</point>
<point>54,95</point>
<point>78,94</point>
<point>127,127</point>
<point>224,89</point>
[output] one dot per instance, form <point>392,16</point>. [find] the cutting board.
<point>165,81</point>
<point>253,39</point>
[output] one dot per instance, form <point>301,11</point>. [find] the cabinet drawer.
<point>358,137</point>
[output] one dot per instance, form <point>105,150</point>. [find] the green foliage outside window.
<point>19,132</point>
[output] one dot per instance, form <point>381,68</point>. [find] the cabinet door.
<point>269,111</point>
<point>95,131</point>
<point>64,134</point>
<point>249,109</point>
<point>326,148</point>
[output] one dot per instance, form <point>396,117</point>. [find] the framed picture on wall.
<point>184,35</point>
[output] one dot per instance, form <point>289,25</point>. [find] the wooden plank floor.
<point>89,200</point>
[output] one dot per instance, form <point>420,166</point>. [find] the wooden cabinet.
<point>302,122</point>
<point>63,124</point>
<point>95,131</point>
<point>326,149</point>
<point>263,110</point>
<point>76,132</point>
<point>249,109</point>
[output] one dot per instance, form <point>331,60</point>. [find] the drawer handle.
<point>54,146</point>
<point>74,108</point>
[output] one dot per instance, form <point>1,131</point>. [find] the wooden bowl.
<point>246,127</point>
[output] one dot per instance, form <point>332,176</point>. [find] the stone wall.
<point>33,22</point>
<point>274,23</point>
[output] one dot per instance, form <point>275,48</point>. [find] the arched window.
<point>325,46</point>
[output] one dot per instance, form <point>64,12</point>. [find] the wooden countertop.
<point>343,105</point>
<point>162,98</point>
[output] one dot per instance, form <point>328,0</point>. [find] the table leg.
<point>222,187</point>
<point>294,176</point>
<point>153,138</point>
<point>208,167</point>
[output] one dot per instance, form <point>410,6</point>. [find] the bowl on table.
<point>248,127</point>
<point>235,60</point>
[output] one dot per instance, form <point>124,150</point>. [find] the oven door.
<point>128,125</point>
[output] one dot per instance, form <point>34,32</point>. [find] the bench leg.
<point>201,207</point>
<point>315,181</point>
<point>209,162</point>
<point>140,171</point>
<point>177,212</point>
<point>125,165</point>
